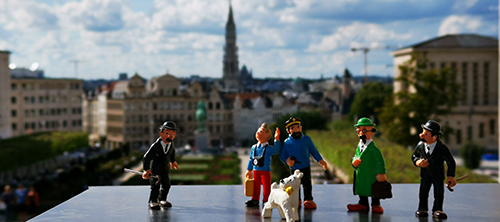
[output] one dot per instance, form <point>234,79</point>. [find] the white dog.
<point>285,198</point>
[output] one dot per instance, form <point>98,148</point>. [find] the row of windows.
<point>164,106</point>
<point>480,131</point>
<point>46,99</point>
<point>46,86</point>
<point>158,118</point>
<point>47,112</point>
<point>115,106</point>
<point>476,73</point>
<point>47,124</point>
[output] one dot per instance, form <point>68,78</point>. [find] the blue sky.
<point>276,38</point>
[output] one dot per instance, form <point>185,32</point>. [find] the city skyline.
<point>286,39</point>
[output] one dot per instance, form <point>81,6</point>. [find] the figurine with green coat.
<point>369,166</point>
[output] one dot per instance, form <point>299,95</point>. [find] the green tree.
<point>369,99</point>
<point>471,154</point>
<point>426,93</point>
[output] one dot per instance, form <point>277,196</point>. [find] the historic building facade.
<point>475,59</point>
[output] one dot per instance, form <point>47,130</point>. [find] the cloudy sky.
<point>276,38</point>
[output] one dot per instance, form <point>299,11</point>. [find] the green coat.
<point>372,163</point>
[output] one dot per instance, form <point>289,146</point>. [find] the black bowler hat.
<point>168,125</point>
<point>292,121</point>
<point>432,126</point>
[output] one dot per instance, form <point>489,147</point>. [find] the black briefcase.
<point>381,190</point>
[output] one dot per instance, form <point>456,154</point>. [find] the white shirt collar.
<point>262,144</point>
<point>165,147</point>
<point>431,146</point>
<point>365,144</point>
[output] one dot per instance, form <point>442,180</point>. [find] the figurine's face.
<point>297,128</point>
<point>366,131</point>
<point>426,137</point>
<point>262,135</point>
<point>168,135</point>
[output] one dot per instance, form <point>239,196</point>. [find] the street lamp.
<point>365,51</point>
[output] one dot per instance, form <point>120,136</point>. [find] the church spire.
<point>230,20</point>
<point>230,70</point>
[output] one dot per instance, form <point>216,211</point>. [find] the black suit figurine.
<point>430,155</point>
<point>158,160</point>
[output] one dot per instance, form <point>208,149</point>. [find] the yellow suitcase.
<point>248,185</point>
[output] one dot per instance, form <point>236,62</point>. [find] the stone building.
<point>475,59</point>
<point>5,123</point>
<point>135,108</point>
<point>42,105</point>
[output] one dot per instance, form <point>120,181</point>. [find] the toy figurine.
<point>430,154</point>
<point>260,163</point>
<point>285,198</point>
<point>295,153</point>
<point>369,166</point>
<point>159,160</point>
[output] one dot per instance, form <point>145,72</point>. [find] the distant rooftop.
<point>458,41</point>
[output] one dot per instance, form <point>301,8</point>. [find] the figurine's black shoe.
<point>439,214</point>
<point>165,204</point>
<point>421,213</point>
<point>252,203</point>
<point>154,206</point>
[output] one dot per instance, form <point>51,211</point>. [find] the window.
<point>486,73</point>
<point>14,126</point>
<point>13,86</point>
<point>40,99</point>
<point>210,105</point>
<point>475,80</point>
<point>464,82</point>
<point>481,130</point>
<point>492,127</point>
<point>459,137</point>
<point>13,100</point>
<point>217,105</point>
<point>13,113</point>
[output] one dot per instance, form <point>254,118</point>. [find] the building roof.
<point>458,41</point>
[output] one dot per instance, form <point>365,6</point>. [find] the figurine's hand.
<point>174,166</point>
<point>451,181</point>
<point>323,164</point>
<point>290,162</point>
<point>249,174</point>
<point>422,163</point>
<point>356,162</point>
<point>277,134</point>
<point>146,174</point>
<point>381,177</point>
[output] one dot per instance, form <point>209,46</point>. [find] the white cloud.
<point>462,5</point>
<point>459,24</point>
<point>356,35</point>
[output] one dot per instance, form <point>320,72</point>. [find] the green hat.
<point>364,122</point>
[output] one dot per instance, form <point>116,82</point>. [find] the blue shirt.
<point>259,148</point>
<point>300,149</point>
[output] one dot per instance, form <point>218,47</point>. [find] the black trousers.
<point>306,182</point>
<point>425,187</point>
<point>159,191</point>
<point>363,200</point>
